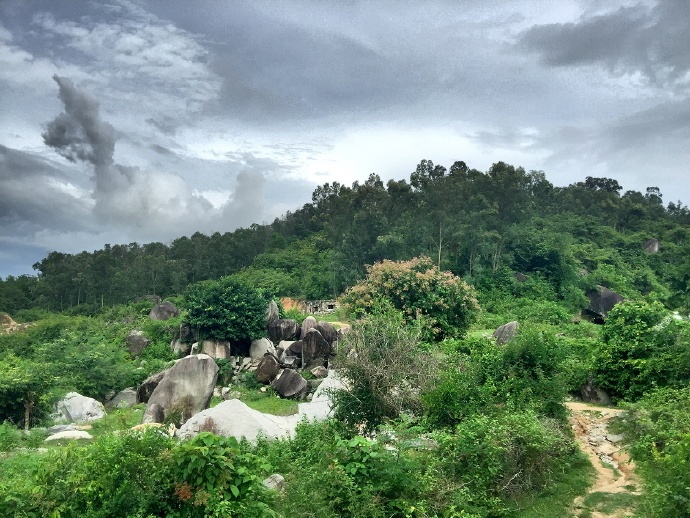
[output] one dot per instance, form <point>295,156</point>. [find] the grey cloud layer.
<point>208,115</point>
<point>651,41</point>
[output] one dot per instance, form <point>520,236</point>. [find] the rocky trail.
<point>616,486</point>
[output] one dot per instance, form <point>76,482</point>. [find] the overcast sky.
<point>145,121</point>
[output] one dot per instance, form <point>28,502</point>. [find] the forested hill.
<point>490,227</point>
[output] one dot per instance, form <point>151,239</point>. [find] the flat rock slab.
<point>70,434</point>
<point>233,418</point>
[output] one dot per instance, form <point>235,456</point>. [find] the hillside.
<point>479,303</point>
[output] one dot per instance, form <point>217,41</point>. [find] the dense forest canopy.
<point>478,225</point>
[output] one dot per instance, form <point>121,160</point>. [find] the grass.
<point>558,499</point>
<point>267,402</point>
<point>609,502</point>
<point>118,419</point>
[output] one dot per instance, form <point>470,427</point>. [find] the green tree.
<point>226,309</point>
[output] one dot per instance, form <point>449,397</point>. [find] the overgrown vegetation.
<point>439,419</point>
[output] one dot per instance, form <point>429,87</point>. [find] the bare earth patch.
<point>616,481</point>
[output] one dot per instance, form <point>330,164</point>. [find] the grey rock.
<point>651,245</point>
<point>289,384</point>
<point>60,428</point>
<point>149,385</point>
<point>316,350</point>
<point>601,301</point>
<point>591,393</point>
<point>75,408</point>
<point>506,332</point>
<point>275,482</point>
<point>70,434</point>
<point>282,329</point>
<point>186,388</point>
<point>328,332</point>
<point>319,372</point>
<point>233,418</point>
<point>268,369</point>
<point>272,312</point>
<point>295,349</point>
<point>136,342</point>
<point>179,347</point>
<point>261,347</point>
<point>154,414</point>
<point>307,324</point>
<point>164,311</point>
<point>219,349</point>
<point>123,399</point>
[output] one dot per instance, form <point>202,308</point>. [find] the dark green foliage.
<point>61,354</point>
<point>501,457</point>
<point>488,379</point>
<point>226,310</point>
<point>119,475</point>
<point>215,477</point>
<point>658,430</point>
<point>642,347</point>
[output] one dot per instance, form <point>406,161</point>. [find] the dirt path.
<point>616,480</point>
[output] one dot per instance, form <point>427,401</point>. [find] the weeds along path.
<point>616,488</point>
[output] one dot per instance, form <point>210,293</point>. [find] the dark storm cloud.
<point>652,41</point>
<point>79,133</point>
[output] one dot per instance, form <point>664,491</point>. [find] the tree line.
<point>479,225</point>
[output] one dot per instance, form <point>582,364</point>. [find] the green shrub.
<point>657,428</point>
<point>226,310</point>
<point>385,368</point>
<point>484,378</point>
<point>215,477</point>
<point>642,347</point>
<point>504,456</point>
<point>117,475</point>
<point>417,288</point>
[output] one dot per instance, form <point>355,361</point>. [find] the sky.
<point>139,121</point>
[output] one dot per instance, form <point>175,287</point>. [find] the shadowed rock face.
<point>282,329</point>
<point>136,343</point>
<point>148,386</point>
<point>290,384</point>
<point>315,349</point>
<point>186,388</point>
<point>601,301</point>
<point>268,369</point>
<point>327,331</point>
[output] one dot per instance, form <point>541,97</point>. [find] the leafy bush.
<point>417,288</point>
<point>330,472</point>
<point>385,369</point>
<point>117,475</point>
<point>214,477</point>
<point>642,347</point>
<point>226,310</point>
<point>503,457</point>
<point>657,428</point>
<point>484,378</point>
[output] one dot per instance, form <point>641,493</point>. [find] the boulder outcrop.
<point>75,408</point>
<point>186,388</point>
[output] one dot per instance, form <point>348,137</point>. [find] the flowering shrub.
<point>418,289</point>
